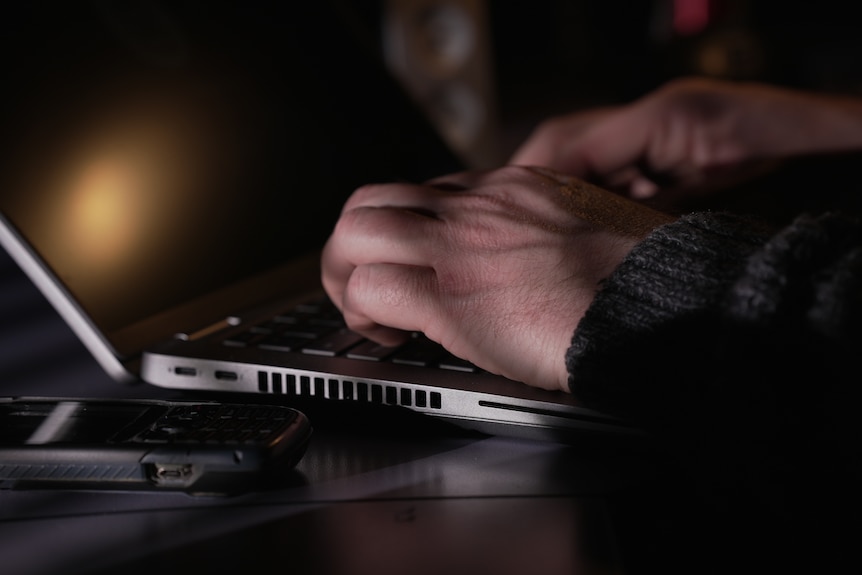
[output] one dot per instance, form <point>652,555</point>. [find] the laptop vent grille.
<point>332,388</point>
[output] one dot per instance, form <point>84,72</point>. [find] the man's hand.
<point>693,136</point>
<point>498,266</point>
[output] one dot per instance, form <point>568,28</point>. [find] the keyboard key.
<point>241,339</point>
<point>333,344</point>
<point>371,351</point>
<point>279,343</point>
<point>305,330</point>
<point>455,363</point>
<point>418,351</point>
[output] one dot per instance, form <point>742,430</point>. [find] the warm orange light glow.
<point>129,188</point>
<point>104,207</point>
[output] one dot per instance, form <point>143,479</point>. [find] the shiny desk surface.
<point>377,492</point>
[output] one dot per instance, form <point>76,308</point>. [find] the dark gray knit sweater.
<point>739,350</point>
<point>713,300</point>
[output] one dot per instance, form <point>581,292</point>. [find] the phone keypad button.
<point>217,424</point>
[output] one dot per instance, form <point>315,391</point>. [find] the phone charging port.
<point>172,474</point>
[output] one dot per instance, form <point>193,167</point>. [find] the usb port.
<point>179,370</point>
<point>226,375</point>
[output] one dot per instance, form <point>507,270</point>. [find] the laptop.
<point>170,171</point>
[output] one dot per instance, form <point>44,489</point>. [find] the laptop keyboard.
<point>317,328</point>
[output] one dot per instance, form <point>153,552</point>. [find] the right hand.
<point>692,136</point>
<point>498,266</point>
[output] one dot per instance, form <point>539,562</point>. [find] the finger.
<point>404,236</point>
<point>542,147</point>
<point>629,181</point>
<point>418,196</point>
<point>367,235</point>
<point>384,301</point>
<point>458,181</point>
<point>614,145</point>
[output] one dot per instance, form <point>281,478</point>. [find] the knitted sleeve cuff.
<point>680,270</point>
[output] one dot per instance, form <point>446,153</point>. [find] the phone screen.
<point>36,423</point>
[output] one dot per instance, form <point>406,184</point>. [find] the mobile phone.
<point>198,447</point>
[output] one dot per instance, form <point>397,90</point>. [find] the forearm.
<point>804,123</point>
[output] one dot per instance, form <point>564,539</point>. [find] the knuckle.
<point>360,196</point>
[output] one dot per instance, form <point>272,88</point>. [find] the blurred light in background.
<point>691,16</point>
<point>103,209</point>
<point>441,51</point>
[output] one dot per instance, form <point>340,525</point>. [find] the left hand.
<point>693,136</point>
<point>497,266</point>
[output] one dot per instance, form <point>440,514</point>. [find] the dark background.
<point>560,53</point>
<point>552,56</point>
